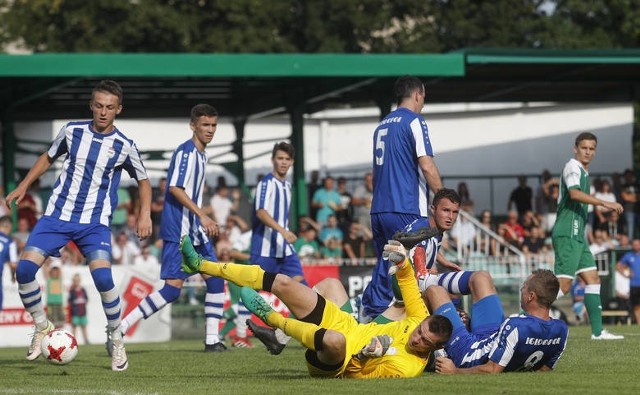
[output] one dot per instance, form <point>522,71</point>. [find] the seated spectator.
<point>613,226</point>
<point>511,231</point>
<point>529,221</point>
<point>306,245</point>
<point>123,250</point>
<point>331,230</point>
<point>551,192</point>
<point>534,243</point>
<point>146,261</point>
<point>601,242</point>
<point>331,250</point>
<point>354,242</point>
<point>361,201</point>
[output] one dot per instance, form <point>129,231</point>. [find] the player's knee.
<point>480,278</point>
<point>26,271</point>
<point>282,281</point>
<point>102,279</point>
<point>170,293</point>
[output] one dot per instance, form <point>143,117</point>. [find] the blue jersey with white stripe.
<point>8,253</point>
<point>431,247</point>
<point>186,171</point>
<point>522,343</point>
<point>274,196</point>
<point>399,185</point>
<point>87,189</point>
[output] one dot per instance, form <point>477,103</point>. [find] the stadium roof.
<point>54,86</point>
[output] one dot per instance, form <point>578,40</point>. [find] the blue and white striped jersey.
<point>186,171</point>
<point>399,185</point>
<point>8,251</point>
<point>274,196</point>
<point>87,189</point>
<point>523,343</point>
<point>431,247</point>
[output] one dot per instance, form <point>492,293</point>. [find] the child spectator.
<point>78,301</point>
<point>55,294</point>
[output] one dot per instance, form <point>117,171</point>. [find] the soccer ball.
<point>59,347</point>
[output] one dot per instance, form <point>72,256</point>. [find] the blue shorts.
<point>289,265</point>
<point>51,234</point>
<point>171,266</point>
<point>486,317</point>
<point>379,293</point>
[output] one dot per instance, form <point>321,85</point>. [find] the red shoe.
<point>241,342</point>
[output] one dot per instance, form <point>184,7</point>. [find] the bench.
<point>622,314</point>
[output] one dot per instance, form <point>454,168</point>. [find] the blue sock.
<point>456,282</point>
<point>29,291</point>
<point>103,280</point>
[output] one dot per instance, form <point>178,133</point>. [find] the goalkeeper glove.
<point>377,347</point>
<point>396,253</point>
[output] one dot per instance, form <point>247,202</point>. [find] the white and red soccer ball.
<point>59,347</point>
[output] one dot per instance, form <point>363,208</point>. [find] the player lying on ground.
<point>338,346</point>
<point>532,341</point>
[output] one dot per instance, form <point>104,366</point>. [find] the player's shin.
<point>251,276</point>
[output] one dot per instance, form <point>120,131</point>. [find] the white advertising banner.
<point>16,325</point>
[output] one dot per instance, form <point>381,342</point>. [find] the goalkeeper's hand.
<point>377,347</point>
<point>397,254</point>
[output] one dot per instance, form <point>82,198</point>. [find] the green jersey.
<point>572,215</point>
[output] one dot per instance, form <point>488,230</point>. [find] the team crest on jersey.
<point>111,152</point>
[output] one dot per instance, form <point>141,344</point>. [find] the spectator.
<point>540,203</point>
<point>603,192</point>
<point>55,292</point>
<point>354,242</point>
<point>463,191</point>
<point>613,226</point>
<point>511,230</point>
<point>629,266</point>
<point>27,209</point>
<point>119,215</point>
<point>3,203</point>
<point>78,299</point>
<point>463,232</point>
<point>529,221</point>
<point>34,192</point>
<point>21,235</point>
<point>312,187</point>
<point>146,261</point>
<point>551,193</point>
<point>124,250</point>
<point>534,242</point>
<point>130,230</point>
<point>345,213</point>
<point>326,200</point>
<point>306,245</point>
<point>222,206</point>
<point>629,195</point>
<point>521,197</point>
<point>361,201</point>
<point>332,250</point>
<point>157,202</point>
<point>577,295</point>
<point>331,230</point>
<point>601,242</point>
<point>487,245</point>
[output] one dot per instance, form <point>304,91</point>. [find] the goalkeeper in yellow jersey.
<point>338,346</point>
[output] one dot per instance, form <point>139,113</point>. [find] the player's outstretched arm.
<point>446,366</point>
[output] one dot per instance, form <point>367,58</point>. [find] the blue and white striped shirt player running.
<point>87,190</point>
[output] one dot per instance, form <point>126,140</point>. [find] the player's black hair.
<point>441,326</point>
<point>447,193</point>
<point>202,110</point>
<point>405,86</point>
<point>586,136</point>
<point>109,86</point>
<point>284,147</point>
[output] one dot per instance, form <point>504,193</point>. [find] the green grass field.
<point>180,367</point>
